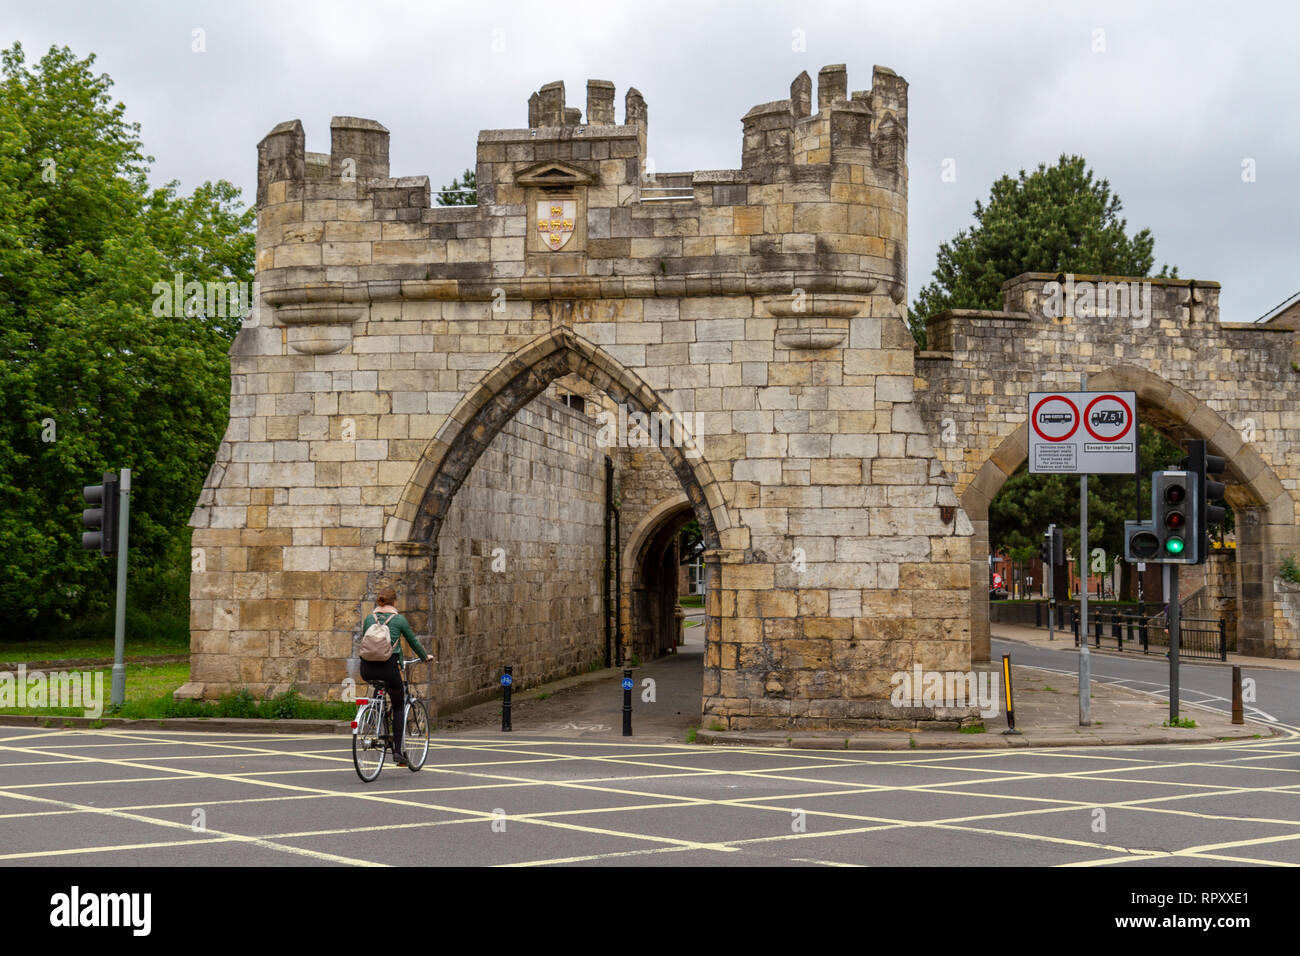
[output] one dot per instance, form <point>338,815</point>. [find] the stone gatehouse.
<point>415,402</point>
<point>390,416</point>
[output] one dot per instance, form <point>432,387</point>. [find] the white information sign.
<point>1082,433</point>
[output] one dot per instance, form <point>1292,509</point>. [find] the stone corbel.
<point>318,328</point>
<point>808,320</point>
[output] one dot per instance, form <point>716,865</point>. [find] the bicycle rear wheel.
<point>415,741</point>
<point>368,743</point>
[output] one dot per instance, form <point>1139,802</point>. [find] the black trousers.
<point>388,672</point>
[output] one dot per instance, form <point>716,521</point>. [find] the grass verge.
<point>149,689</point>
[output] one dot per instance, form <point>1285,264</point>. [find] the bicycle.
<point>371,744</point>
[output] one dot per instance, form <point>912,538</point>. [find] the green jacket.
<point>397,629</point>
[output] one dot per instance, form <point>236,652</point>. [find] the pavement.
<point>1046,715</point>
<point>666,709</point>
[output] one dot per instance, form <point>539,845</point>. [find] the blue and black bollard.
<point>506,682</point>
<point>627,703</point>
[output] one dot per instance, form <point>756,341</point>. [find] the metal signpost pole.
<point>1085,658</point>
<point>1083,433</point>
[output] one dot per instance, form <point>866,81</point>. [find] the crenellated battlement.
<point>867,128</point>
<point>574,206</point>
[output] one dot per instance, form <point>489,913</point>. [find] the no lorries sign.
<point>1082,433</point>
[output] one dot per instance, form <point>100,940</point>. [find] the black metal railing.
<point>1043,614</point>
<point>1199,638</point>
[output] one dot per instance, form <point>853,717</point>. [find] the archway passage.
<point>515,515</point>
<point>653,559</point>
<point>1262,506</point>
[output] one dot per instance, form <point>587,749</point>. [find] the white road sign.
<point>1082,433</point>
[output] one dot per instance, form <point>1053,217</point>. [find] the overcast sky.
<point>1166,101</point>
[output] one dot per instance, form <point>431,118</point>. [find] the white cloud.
<point>1181,95</point>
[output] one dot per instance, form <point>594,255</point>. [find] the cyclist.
<point>388,671</point>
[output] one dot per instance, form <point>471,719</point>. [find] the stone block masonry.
<point>520,559</point>
<point>1235,385</point>
<point>395,342</point>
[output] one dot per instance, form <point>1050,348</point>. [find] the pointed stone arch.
<point>494,401</point>
<point>1252,485</point>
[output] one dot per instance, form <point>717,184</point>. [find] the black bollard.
<point>506,682</point>
<point>627,703</point>
<point>1238,717</point>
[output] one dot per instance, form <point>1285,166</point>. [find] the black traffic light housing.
<point>1170,536</point>
<point>1052,549</point>
<point>1201,464</point>
<point>1176,494</point>
<point>101,521</point>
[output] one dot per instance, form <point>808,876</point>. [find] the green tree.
<point>91,377</point>
<point>1027,504</point>
<point>691,541</point>
<point>1055,219</point>
<point>468,194</point>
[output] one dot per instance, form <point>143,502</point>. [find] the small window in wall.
<point>576,402</point>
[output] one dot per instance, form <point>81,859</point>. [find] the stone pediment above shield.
<point>554,173</point>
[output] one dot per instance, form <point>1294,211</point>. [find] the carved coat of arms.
<point>555,221</point>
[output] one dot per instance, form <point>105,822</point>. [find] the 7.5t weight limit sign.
<point>1082,433</point>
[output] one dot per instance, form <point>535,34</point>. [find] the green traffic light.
<point>1174,545</point>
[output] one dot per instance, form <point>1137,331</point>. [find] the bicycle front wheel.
<point>368,743</point>
<point>416,739</point>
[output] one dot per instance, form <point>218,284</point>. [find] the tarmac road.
<point>132,797</point>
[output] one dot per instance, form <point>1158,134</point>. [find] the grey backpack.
<point>377,642</point>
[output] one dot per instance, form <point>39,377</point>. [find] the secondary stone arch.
<point>667,510</point>
<point>495,400</point>
<point>1253,488</point>
<point>650,588</point>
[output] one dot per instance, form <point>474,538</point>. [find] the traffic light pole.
<point>1175,635</point>
<point>1051,563</point>
<point>1085,656</point>
<point>119,618</point>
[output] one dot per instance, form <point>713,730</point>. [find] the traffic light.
<point>1052,549</point>
<point>1170,536</point>
<point>1203,465</point>
<point>1175,494</point>
<point>101,521</point>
